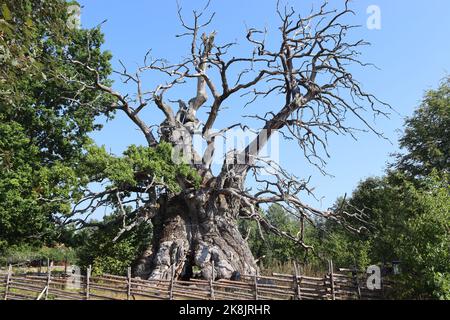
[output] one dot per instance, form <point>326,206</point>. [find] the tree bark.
<point>192,233</point>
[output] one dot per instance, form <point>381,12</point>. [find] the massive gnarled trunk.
<point>197,229</point>
<point>191,234</point>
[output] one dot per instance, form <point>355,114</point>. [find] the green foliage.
<point>427,135</point>
<point>45,116</point>
<point>96,246</point>
<point>344,248</point>
<point>23,253</point>
<point>387,203</point>
<point>23,23</point>
<point>139,166</point>
<point>274,250</point>
<point>279,248</point>
<point>424,248</point>
<point>20,188</point>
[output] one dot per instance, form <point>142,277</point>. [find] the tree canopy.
<point>45,115</point>
<point>426,139</point>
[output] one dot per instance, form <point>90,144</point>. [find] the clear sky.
<point>411,50</point>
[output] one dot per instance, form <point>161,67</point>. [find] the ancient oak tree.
<point>194,210</point>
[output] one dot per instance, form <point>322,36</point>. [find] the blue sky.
<point>411,51</point>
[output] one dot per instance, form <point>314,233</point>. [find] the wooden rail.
<point>54,286</point>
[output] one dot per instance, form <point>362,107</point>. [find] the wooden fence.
<point>58,286</point>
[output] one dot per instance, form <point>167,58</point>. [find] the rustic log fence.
<point>56,286</point>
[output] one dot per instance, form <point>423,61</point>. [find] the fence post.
<point>256,287</point>
<point>356,280</point>
<point>172,277</point>
<point>49,276</point>
<point>88,279</point>
<point>129,283</point>
<point>8,280</point>
<point>330,266</point>
<point>211,282</point>
<point>298,293</point>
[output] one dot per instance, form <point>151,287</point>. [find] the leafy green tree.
<point>424,249</point>
<point>427,135</point>
<point>281,249</point>
<point>98,247</point>
<point>271,249</point>
<point>386,202</point>
<point>342,247</point>
<point>406,223</point>
<point>46,115</point>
